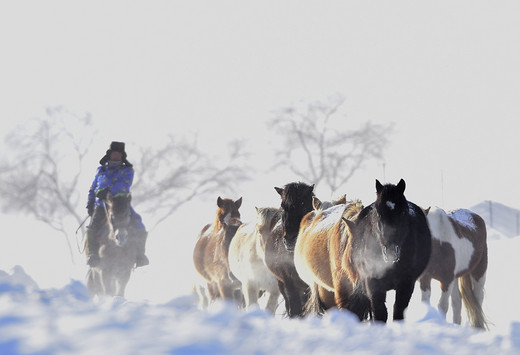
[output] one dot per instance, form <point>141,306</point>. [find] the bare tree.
<point>321,147</point>
<point>33,180</point>
<point>40,176</point>
<point>172,175</point>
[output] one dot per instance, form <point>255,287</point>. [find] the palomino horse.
<point>210,254</point>
<point>247,255</point>
<point>279,248</point>
<point>318,253</point>
<point>117,250</point>
<point>389,249</point>
<point>459,252</point>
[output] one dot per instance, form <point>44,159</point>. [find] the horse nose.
<point>289,244</point>
<point>235,222</point>
<point>392,254</point>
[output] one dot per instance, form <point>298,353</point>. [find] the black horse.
<point>118,250</point>
<point>279,247</point>
<point>389,249</point>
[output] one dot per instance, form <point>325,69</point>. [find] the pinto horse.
<point>247,255</point>
<point>210,254</point>
<point>459,252</point>
<point>279,248</point>
<point>117,251</point>
<point>321,243</point>
<point>389,249</point>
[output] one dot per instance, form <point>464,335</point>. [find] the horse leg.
<point>107,282</point>
<point>403,293</point>
<point>272,301</point>
<point>202,295</point>
<point>313,304</point>
<point>478,288</point>
<point>250,294</point>
<point>426,291</point>
<point>93,283</point>
<point>446,290</point>
<point>213,291</point>
<point>122,281</point>
<point>377,295</point>
<point>283,291</point>
<point>342,292</point>
<point>456,303</point>
<point>379,311</point>
<point>294,299</point>
<point>327,298</point>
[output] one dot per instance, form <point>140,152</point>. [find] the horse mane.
<point>266,215</point>
<point>295,189</point>
<point>217,224</point>
<point>353,212</point>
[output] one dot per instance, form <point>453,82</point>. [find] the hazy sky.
<point>446,73</point>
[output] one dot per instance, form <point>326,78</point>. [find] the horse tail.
<point>314,304</point>
<point>358,303</point>
<point>473,305</point>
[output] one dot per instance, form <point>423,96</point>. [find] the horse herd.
<point>340,254</point>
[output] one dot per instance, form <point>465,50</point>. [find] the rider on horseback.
<point>115,175</point>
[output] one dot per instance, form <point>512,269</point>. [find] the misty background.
<point>231,99</point>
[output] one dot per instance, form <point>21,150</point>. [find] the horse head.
<point>296,203</point>
<point>227,213</point>
<point>391,225</point>
<point>118,211</point>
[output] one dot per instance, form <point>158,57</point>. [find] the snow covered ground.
<point>64,320</point>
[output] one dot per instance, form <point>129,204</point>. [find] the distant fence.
<point>500,217</point>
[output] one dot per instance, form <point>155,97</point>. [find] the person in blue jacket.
<point>116,175</point>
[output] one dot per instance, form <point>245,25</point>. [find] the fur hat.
<point>115,147</point>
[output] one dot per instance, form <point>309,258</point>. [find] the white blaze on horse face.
<point>390,205</point>
<point>227,218</point>
<point>442,230</point>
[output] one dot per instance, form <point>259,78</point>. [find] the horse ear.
<point>348,222</point>
<point>426,211</point>
<point>238,203</point>
<point>401,186</point>
<point>316,203</point>
<point>312,187</point>
<point>279,190</point>
<point>342,199</point>
<point>379,186</point>
<point>220,202</point>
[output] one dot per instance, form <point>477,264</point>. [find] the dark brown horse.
<point>210,254</point>
<point>118,250</point>
<point>279,249</point>
<point>459,252</point>
<point>319,252</point>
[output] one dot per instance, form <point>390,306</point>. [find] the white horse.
<point>459,253</point>
<point>247,259</point>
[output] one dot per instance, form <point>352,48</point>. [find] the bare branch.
<point>318,148</point>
